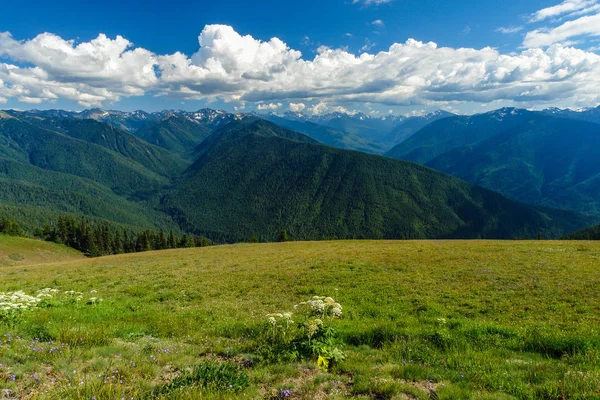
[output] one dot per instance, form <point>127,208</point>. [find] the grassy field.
<point>21,251</point>
<point>421,319</point>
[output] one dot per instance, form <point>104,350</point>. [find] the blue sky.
<point>486,55</point>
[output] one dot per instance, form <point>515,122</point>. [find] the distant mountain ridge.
<point>362,132</point>
<point>529,156</point>
<point>586,114</point>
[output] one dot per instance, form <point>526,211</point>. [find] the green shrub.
<point>313,337</point>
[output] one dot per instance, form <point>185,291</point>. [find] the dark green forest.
<point>234,178</point>
<point>529,156</point>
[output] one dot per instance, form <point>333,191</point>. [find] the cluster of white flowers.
<point>47,293</point>
<point>313,325</point>
<point>94,300</point>
<point>322,306</point>
<point>78,296</point>
<point>281,318</point>
<point>14,301</point>
<point>17,301</point>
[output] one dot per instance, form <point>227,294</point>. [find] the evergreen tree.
<point>127,245</point>
<point>162,241</point>
<point>106,239</point>
<point>93,248</point>
<point>117,247</point>
<point>186,241</point>
<point>171,241</point>
<point>282,236</point>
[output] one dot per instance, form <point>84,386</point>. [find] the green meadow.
<point>421,320</point>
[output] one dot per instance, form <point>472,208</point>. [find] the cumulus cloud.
<point>239,68</point>
<point>90,72</point>
<point>378,23</point>
<point>270,106</point>
<point>297,107</point>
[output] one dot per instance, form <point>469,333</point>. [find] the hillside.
<point>447,134</point>
<point>16,251</point>
<point>154,158</point>
<point>409,126</point>
<point>251,179</point>
<point>25,187</point>
<point>470,320</point>
<point>176,133</point>
<point>45,172</point>
<point>58,152</point>
<point>527,156</point>
<point>327,135</point>
<point>590,233</point>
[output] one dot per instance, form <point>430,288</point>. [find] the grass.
<point>21,251</point>
<point>422,319</point>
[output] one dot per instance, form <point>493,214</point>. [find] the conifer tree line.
<point>98,239</point>
<point>10,227</point>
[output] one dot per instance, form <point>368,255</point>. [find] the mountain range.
<point>534,157</point>
<point>233,176</point>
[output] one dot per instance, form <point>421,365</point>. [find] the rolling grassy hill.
<point>255,178</point>
<point>531,157</point>
<point>17,251</point>
<point>424,319</point>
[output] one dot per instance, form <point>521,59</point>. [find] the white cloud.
<point>367,46</point>
<point>509,29</point>
<point>371,2</point>
<point>566,7</point>
<point>297,107</point>
<point>270,106</point>
<point>90,72</point>
<point>323,107</point>
<point>235,68</point>
<point>378,23</point>
<point>588,25</point>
